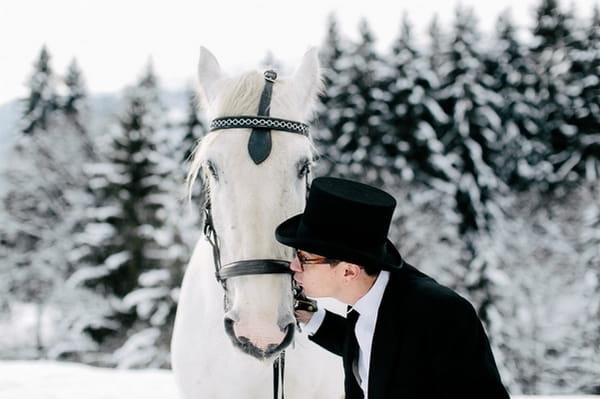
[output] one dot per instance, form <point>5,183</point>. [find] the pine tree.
<point>45,197</point>
<point>584,84</point>
<point>332,115</point>
<point>471,146</point>
<point>133,244</point>
<point>521,162</point>
<point>556,95</point>
<point>471,137</point>
<point>42,99</point>
<point>409,137</point>
<point>359,135</point>
<point>437,44</point>
<point>125,186</point>
<point>332,51</point>
<point>551,30</point>
<point>75,107</point>
<point>194,125</point>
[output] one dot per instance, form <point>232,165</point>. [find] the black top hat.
<point>344,220</point>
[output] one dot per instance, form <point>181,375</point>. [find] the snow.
<point>535,273</point>
<point>54,380</point>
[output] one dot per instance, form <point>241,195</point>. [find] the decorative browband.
<point>253,122</point>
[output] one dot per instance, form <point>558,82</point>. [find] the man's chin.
<point>312,295</point>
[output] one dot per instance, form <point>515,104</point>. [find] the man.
<point>405,335</point>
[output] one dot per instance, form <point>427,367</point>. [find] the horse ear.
<point>307,79</point>
<point>209,74</point>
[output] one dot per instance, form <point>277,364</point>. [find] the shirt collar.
<point>369,303</point>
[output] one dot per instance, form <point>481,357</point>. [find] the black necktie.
<point>353,348</point>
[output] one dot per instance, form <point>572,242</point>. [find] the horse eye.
<point>212,169</point>
<point>303,169</point>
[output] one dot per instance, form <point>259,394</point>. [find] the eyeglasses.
<point>314,261</point>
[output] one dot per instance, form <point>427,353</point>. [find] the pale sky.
<point>113,39</point>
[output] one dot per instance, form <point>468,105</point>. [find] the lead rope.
<point>278,374</point>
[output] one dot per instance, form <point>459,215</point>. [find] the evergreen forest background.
<point>490,143</point>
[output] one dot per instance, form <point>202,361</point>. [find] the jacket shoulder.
<point>423,292</point>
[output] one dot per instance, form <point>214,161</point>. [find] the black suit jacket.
<point>428,344</point>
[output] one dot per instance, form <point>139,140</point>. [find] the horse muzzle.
<point>261,342</point>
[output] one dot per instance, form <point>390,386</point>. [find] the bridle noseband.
<point>259,148</point>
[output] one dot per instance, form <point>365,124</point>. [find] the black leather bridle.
<point>259,148</point>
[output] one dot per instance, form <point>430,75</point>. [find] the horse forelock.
<point>241,96</point>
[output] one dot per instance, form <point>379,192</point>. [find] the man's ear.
<point>351,271</point>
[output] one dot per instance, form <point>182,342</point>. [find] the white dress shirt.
<point>367,307</point>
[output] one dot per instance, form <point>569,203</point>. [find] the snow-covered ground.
<point>52,380</point>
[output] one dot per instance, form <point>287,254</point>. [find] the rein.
<point>259,148</point>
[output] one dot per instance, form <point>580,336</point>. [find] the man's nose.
<point>295,265</point>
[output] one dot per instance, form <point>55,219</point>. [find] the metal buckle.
<point>270,75</point>
<point>301,302</point>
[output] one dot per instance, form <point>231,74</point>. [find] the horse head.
<point>248,197</point>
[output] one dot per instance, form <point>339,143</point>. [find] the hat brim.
<point>287,234</point>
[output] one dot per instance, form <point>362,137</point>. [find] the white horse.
<point>229,354</point>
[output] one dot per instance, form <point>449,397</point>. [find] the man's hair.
<point>370,270</point>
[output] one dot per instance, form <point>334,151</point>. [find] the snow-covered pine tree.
<point>409,139</point>
<point>556,95</point>
<point>522,158</point>
<point>194,126</point>
<point>471,144</point>
<point>472,136</point>
<point>584,81</point>
<point>359,138</point>
<point>42,98</point>
<point>75,107</point>
<point>550,28</point>
<point>332,115</point>
<point>506,60</point>
<point>437,44</point>
<point>331,54</point>
<point>122,186</point>
<point>44,198</point>
<point>132,245</point>
<point>591,231</point>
